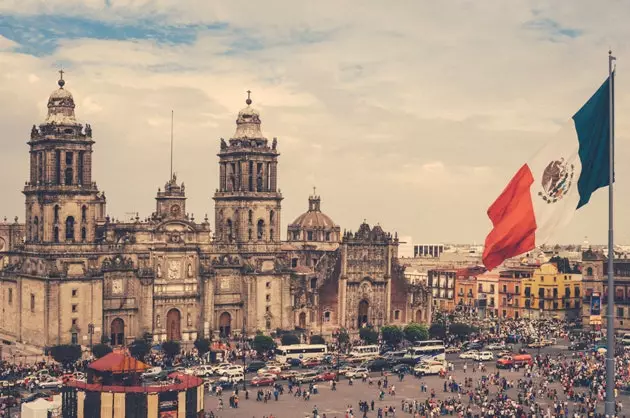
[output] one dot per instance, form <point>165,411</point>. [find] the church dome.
<point>313,225</point>
<point>248,122</point>
<point>61,106</point>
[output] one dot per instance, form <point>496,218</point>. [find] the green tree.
<point>461,330</point>
<point>437,330</point>
<point>392,335</point>
<point>263,343</point>
<point>202,345</point>
<point>317,339</point>
<point>416,332</point>
<point>66,354</point>
<point>171,348</point>
<point>368,335</point>
<point>101,350</point>
<point>104,339</point>
<point>290,339</point>
<point>139,349</point>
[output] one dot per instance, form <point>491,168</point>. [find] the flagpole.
<point>610,331</point>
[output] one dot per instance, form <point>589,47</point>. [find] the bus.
<point>363,352</point>
<point>300,351</point>
<point>427,350</point>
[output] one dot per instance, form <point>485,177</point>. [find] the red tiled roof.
<point>118,363</point>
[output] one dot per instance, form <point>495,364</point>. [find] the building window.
<point>83,213</point>
<point>267,308</point>
<point>396,315</point>
<point>271,218</point>
<point>250,234</point>
<point>250,217</point>
<point>619,312</point>
<point>309,235</point>
<point>268,298</point>
<point>517,289</point>
<point>32,302</point>
<point>75,308</point>
<point>268,285</point>
<point>56,234</point>
<point>10,295</point>
<point>504,289</point>
<point>74,321</point>
<point>261,229</point>
<point>589,271</point>
<point>75,293</point>
<point>56,214</point>
<point>327,316</point>
<point>314,283</point>
<point>294,262</point>
<point>268,324</point>
<point>69,228</point>
<point>491,288</point>
<point>327,236</point>
<point>75,338</point>
<point>480,288</point>
<point>83,234</point>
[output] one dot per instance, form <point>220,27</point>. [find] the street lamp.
<point>91,333</point>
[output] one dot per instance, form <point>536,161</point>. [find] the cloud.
<point>411,114</point>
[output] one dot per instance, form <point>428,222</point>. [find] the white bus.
<point>432,350</point>
<point>300,351</point>
<point>363,352</point>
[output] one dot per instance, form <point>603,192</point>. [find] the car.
<point>231,371</point>
<point>153,373</point>
<point>204,370</point>
<point>326,376</point>
<point>288,374</point>
<point>496,346</point>
<point>345,369</point>
<point>472,354</point>
<point>357,373</point>
<point>234,378</point>
<point>376,365</point>
<point>282,366</point>
<point>485,356</point>
<point>311,362</point>
<point>426,368</point>
<point>262,381</point>
<point>51,383</point>
<point>307,377</point>
<point>504,353</point>
<point>451,350</point>
<point>294,362</point>
<point>254,366</point>
<point>536,344</point>
<point>269,369</point>
<point>475,345</point>
<point>402,368</point>
<point>216,368</point>
<point>578,346</point>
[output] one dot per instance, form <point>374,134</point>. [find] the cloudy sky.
<point>411,114</point>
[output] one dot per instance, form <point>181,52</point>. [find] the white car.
<point>215,369</point>
<point>204,370</point>
<point>152,372</point>
<point>231,371</point>
<point>496,346</point>
<point>485,356</point>
<point>357,373</point>
<point>472,354</point>
<point>50,383</point>
<point>235,378</point>
<point>270,370</point>
<point>426,368</point>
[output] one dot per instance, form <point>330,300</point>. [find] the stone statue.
<point>88,130</point>
<point>190,270</point>
<point>223,144</point>
<point>189,320</point>
<point>158,323</point>
<point>159,271</point>
<point>274,143</point>
<point>34,131</point>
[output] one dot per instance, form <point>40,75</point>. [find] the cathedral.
<point>71,274</point>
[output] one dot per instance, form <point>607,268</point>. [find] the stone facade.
<point>73,274</point>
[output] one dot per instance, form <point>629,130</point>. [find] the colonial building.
<point>549,293</point>
<point>70,273</point>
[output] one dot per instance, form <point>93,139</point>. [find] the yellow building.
<point>551,294</point>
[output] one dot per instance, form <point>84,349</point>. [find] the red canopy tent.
<point>118,363</point>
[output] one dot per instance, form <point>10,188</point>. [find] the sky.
<point>410,114</point>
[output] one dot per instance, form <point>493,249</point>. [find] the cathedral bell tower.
<point>247,202</point>
<point>63,205</point>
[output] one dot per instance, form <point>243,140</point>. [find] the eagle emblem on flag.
<point>556,180</point>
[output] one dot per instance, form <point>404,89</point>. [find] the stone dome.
<point>61,106</point>
<point>313,225</point>
<point>248,123</point>
<point>313,220</point>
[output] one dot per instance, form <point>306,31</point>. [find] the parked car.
<point>307,377</point>
<point>52,383</point>
<point>204,370</point>
<point>153,373</point>
<point>402,368</point>
<point>217,367</point>
<point>376,365</point>
<point>357,373</point>
<point>452,349</point>
<point>345,369</point>
<point>269,369</point>
<point>485,356</point>
<point>254,366</point>
<point>234,378</point>
<point>262,381</point>
<point>496,346</point>
<point>472,354</point>
<point>288,374</point>
<point>427,368</point>
<point>231,370</point>
<point>311,362</point>
<point>326,376</point>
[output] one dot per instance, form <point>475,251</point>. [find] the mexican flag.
<point>546,191</point>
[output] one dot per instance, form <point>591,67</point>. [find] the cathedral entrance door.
<point>364,305</point>
<point>225,324</point>
<point>419,316</point>
<point>173,325</point>
<point>302,320</point>
<point>117,332</point>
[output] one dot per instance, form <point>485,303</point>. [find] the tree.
<point>171,348</point>
<point>461,330</point>
<point>139,349</point>
<point>101,350</point>
<point>317,339</point>
<point>202,345</point>
<point>392,335</point>
<point>343,337</point>
<point>368,335</point>
<point>437,330</point>
<point>263,343</point>
<point>290,339</point>
<point>416,332</point>
<point>104,339</point>
<point>66,354</point>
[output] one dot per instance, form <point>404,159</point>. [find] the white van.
<point>427,368</point>
<point>625,340</point>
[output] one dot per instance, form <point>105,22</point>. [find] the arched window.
<point>271,217</point>
<point>56,234</point>
<point>250,234</point>
<point>251,217</point>
<point>36,229</point>
<point>229,230</point>
<point>261,229</point>
<point>68,179</point>
<point>589,271</point>
<point>56,211</point>
<point>69,228</point>
<point>314,283</point>
<point>271,235</point>
<point>83,213</point>
<point>83,234</point>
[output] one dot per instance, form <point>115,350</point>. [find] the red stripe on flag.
<point>512,216</point>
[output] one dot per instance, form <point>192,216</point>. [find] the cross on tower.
<point>314,191</point>
<point>249,99</point>
<point>61,71</point>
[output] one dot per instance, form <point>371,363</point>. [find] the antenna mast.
<point>171,177</point>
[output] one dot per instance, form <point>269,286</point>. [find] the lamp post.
<point>91,332</point>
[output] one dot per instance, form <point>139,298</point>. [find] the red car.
<point>326,376</point>
<point>262,381</point>
<point>311,363</point>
